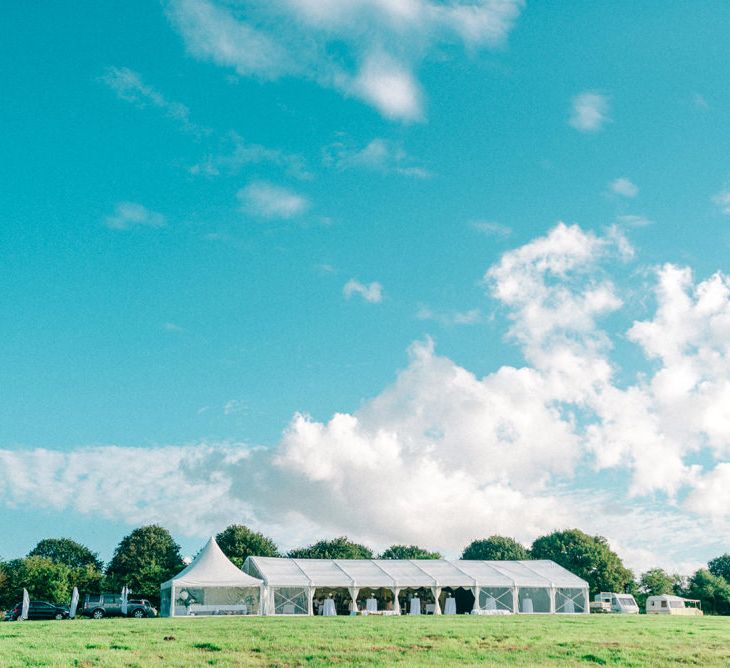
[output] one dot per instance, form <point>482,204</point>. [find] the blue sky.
<point>219,216</point>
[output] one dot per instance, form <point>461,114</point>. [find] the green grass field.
<point>370,641</point>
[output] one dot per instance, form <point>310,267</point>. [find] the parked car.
<point>98,606</point>
<point>38,610</point>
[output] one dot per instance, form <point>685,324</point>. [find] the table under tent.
<point>416,586</point>
<point>211,585</point>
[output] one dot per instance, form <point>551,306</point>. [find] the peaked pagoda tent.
<point>211,585</point>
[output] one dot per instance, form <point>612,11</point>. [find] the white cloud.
<point>234,406</point>
<point>325,268</point>
<point>362,48</point>
<point>187,488</point>
<point>389,87</point>
<point>128,86</point>
<point>722,200</point>
<point>372,292</point>
<point>624,187</point>
<point>492,229</point>
<point>379,155</point>
<point>443,456</point>
<point>212,32</point>
<point>470,317</point>
<point>711,493</point>
<point>241,153</point>
<point>700,101</point>
<point>130,214</point>
<point>589,111</point>
<point>633,220</point>
<point>172,327</point>
<point>271,201</point>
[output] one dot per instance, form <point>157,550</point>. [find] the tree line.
<point>149,556</point>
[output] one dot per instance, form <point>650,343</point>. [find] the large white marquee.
<point>299,586</point>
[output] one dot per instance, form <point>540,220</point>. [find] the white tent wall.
<point>211,585</point>
<point>523,587</point>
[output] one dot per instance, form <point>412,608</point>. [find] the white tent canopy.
<point>512,586</point>
<point>211,584</point>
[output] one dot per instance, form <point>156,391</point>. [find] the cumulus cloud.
<point>131,214</point>
<point>441,456</point>
<point>589,111</point>
<point>187,488</point>
<point>364,49</point>
<point>268,200</point>
<point>372,292</point>
<point>624,187</point>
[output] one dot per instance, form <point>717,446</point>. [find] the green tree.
<point>409,552</point>
<point>85,567</point>
<point>238,542</point>
<point>589,557</point>
<point>143,560</point>
<point>496,548</point>
<point>712,590</point>
<point>720,566</point>
<point>657,581</point>
<point>5,593</point>
<point>654,582</point>
<point>338,548</point>
<point>67,551</point>
<point>44,579</point>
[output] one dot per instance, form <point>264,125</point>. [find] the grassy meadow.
<point>370,641</point>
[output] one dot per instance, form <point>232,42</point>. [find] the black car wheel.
<point>98,614</point>
<point>138,613</point>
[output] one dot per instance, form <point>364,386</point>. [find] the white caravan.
<point>666,604</point>
<point>611,602</point>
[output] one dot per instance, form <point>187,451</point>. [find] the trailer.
<point>666,604</point>
<point>609,602</point>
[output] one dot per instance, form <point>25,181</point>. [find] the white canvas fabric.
<point>74,603</point>
<point>557,575</point>
<point>212,584</point>
<point>413,573</point>
<point>26,605</point>
<point>212,568</point>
